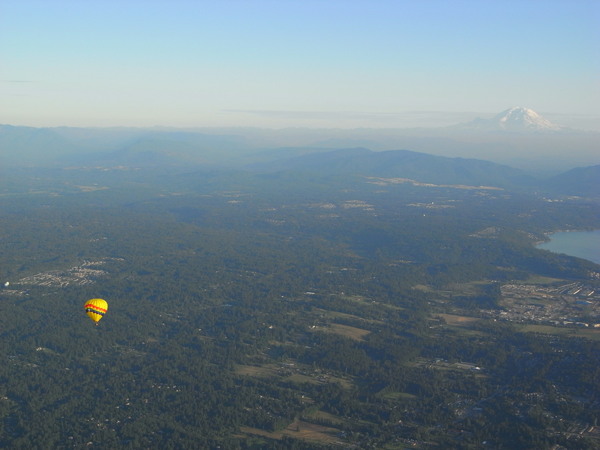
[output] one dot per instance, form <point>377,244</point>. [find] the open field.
<point>587,333</point>
<point>393,395</point>
<point>538,279</point>
<point>266,370</point>
<point>457,321</point>
<point>331,314</point>
<point>354,333</point>
<point>325,416</point>
<point>293,372</point>
<point>300,429</point>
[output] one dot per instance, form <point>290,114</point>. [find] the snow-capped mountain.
<point>513,119</point>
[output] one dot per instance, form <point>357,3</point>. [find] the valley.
<point>254,309</point>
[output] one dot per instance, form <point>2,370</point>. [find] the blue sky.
<point>300,63</point>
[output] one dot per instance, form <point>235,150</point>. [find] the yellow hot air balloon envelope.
<point>96,308</point>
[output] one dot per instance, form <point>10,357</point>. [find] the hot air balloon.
<point>96,308</point>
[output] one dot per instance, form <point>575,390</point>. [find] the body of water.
<point>583,244</point>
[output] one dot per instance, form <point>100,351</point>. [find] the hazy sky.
<point>305,63</point>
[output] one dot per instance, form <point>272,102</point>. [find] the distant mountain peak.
<point>517,118</point>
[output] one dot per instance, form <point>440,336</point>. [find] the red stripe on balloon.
<point>89,305</point>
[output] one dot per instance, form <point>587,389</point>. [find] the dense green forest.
<point>298,311</point>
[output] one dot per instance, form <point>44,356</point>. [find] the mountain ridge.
<point>174,150</point>
<point>422,167</point>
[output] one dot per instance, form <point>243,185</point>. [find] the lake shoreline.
<point>584,244</point>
